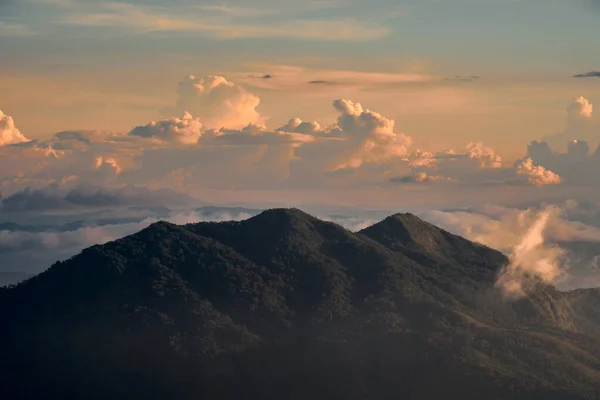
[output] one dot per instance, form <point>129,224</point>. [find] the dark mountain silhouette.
<point>286,306</point>
<point>9,277</point>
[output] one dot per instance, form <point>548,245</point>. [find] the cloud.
<point>15,30</point>
<point>301,78</point>
<point>543,243</point>
<point>217,102</point>
<point>214,22</point>
<point>374,135</point>
<point>576,166</point>
<point>536,174</point>
<point>421,177</point>
<point>111,162</point>
<point>361,148</point>
<point>36,247</point>
<point>591,74</point>
<point>36,251</point>
<point>581,108</point>
<point>486,156</point>
<point>536,241</point>
<point>184,130</point>
<point>258,135</point>
<point>84,156</point>
<point>531,257</point>
<point>461,78</point>
<point>57,197</point>
<point>581,124</point>
<point>9,134</point>
<point>265,76</point>
<point>296,125</point>
<point>352,223</point>
<point>477,165</point>
<point>321,82</point>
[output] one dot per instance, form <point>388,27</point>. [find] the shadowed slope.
<point>286,305</point>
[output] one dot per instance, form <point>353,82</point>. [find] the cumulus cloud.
<point>575,166</point>
<point>185,130</point>
<point>581,108</point>
<point>486,156</point>
<point>259,135</point>
<point>536,174</point>
<point>9,134</point>
<point>89,156</point>
<point>218,124</point>
<point>374,135</point>
<point>110,162</point>
<point>217,102</point>
<point>477,164</point>
<point>581,124</point>
<point>296,125</point>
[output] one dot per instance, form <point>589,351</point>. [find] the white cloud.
<point>581,124</point>
<point>217,102</point>
<point>476,165</point>
<point>534,240</point>
<point>580,109</point>
<point>296,125</point>
<point>110,162</point>
<point>486,156</point>
<point>184,130</point>
<point>536,174</point>
<point>362,148</point>
<point>9,134</point>
<point>531,257</point>
<point>376,141</point>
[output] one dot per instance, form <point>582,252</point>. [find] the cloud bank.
<point>215,139</point>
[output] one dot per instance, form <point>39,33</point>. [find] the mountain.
<point>284,305</point>
<point>9,277</point>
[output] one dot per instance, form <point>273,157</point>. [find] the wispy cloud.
<point>14,29</point>
<point>289,76</point>
<point>217,21</point>
<point>268,8</point>
<point>591,74</point>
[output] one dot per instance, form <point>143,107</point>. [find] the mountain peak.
<point>283,213</point>
<point>406,229</point>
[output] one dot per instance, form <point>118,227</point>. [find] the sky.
<point>436,106</point>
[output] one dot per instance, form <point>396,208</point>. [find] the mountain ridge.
<point>205,304</point>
